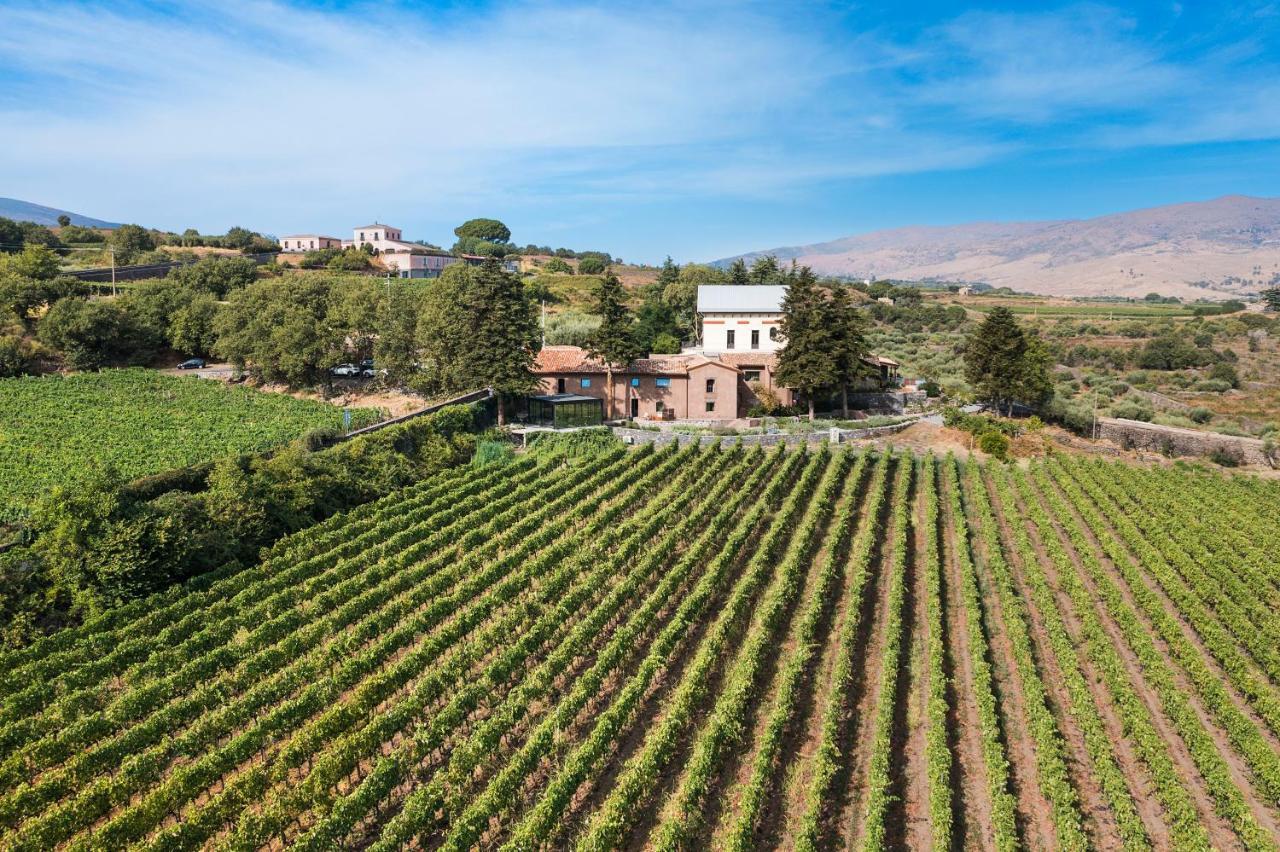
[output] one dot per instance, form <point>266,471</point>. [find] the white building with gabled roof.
<point>740,318</point>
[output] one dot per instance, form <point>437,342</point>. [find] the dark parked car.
<point>192,364</point>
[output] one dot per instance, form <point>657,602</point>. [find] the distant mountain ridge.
<point>1219,248</point>
<point>25,211</point>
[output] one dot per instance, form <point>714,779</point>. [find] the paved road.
<point>212,371</point>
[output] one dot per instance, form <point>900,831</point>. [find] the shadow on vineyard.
<point>684,647</point>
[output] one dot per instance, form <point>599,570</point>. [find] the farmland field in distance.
<point>54,430</point>
<point>688,648</point>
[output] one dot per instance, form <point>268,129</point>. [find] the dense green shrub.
<point>1225,372</point>
<point>1200,415</point>
<point>583,442</point>
<point>1226,457</point>
<point>1133,411</point>
<point>1076,416</point>
<point>592,266</point>
<point>91,335</point>
<point>979,424</point>
<point>493,451</point>
<point>995,444</point>
<point>17,356</point>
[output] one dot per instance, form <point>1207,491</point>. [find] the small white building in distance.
<point>308,242</point>
<point>738,318</point>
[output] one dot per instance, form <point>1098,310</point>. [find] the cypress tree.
<point>994,358</point>
<point>614,341</point>
<point>502,334</point>
<point>849,329</point>
<point>809,361</point>
<point>670,272</point>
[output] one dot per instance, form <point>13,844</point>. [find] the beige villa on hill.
<point>402,259</point>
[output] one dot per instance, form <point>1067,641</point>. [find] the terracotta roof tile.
<point>573,359</point>
<point>750,359</point>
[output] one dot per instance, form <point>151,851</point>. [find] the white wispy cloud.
<point>280,116</point>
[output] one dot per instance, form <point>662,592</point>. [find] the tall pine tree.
<point>614,341</point>
<point>1005,365</point>
<point>670,272</point>
<point>809,362</point>
<point>501,334</point>
<point>738,272</point>
<point>850,342</point>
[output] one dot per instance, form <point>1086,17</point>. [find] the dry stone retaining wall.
<point>1174,441</point>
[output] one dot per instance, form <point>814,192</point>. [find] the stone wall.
<point>895,402</point>
<point>1173,441</point>
<point>649,436</point>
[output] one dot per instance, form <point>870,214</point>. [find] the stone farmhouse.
<point>716,380</point>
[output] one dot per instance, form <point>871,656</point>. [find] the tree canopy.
<point>614,342</point>
<point>129,241</point>
<point>592,265</point>
<point>1005,364</point>
<point>811,359</point>
<point>10,236</point>
<point>216,274</point>
<point>489,230</point>
<point>279,328</point>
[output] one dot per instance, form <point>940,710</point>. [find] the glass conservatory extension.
<point>565,410</point>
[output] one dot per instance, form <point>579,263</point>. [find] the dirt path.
<point>1138,779</point>
<point>909,817</point>
<point>723,795</point>
<point>725,808</point>
<point>1035,814</point>
<point>787,809</point>
<point>1241,775</point>
<point>973,826</point>
<point>862,721</point>
<point>1099,821</point>
<point>656,705</point>
<point>1189,633</point>
<point>1220,833</point>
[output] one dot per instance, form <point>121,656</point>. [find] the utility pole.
<point>1093,433</point>
<point>113,271</point>
<point>544,323</point>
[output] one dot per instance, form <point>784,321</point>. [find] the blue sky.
<point>699,129</point>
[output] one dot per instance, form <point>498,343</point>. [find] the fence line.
<point>473,396</point>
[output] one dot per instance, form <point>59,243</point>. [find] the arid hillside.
<point>1219,248</point>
